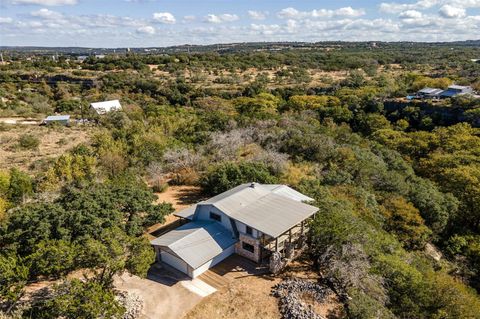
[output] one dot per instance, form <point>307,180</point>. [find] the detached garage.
<point>195,247</point>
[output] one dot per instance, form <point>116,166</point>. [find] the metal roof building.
<point>454,90</point>
<point>240,220</point>
<point>106,106</point>
<point>61,119</point>
<point>197,242</point>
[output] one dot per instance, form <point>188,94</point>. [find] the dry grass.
<point>246,296</point>
<point>53,143</point>
<point>180,197</point>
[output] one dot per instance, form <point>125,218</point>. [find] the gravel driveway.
<point>164,292</point>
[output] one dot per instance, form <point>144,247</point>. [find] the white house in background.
<point>106,106</point>
<point>252,220</point>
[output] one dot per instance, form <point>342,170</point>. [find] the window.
<point>248,247</point>
<point>249,230</point>
<point>216,217</point>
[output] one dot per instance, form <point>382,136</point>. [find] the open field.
<point>53,143</point>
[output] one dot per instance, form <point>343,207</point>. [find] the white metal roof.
<point>57,118</point>
<point>106,106</point>
<point>274,214</point>
<point>458,87</point>
<point>197,242</point>
<point>271,209</point>
<point>430,91</point>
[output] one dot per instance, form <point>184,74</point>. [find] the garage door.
<point>174,261</point>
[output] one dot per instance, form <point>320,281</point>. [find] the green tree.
<point>13,277</point>
<point>20,186</point>
<point>75,299</point>
<point>52,258</point>
<point>225,176</point>
<point>404,220</point>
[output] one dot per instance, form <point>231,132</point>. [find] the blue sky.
<point>144,23</point>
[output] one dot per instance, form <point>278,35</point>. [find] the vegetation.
<point>391,177</point>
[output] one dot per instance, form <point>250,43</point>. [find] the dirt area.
<point>162,293</point>
<point>180,197</point>
<point>246,293</point>
<point>53,143</point>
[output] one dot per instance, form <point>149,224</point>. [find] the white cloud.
<point>450,12</point>
<point>394,7</point>
<point>47,14</point>
<point>226,17</point>
<point>164,17</point>
<point>47,2</point>
<point>292,13</point>
<point>146,30</point>
<point>5,20</point>
<point>189,18</point>
<point>411,14</point>
<point>257,15</point>
<point>349,12</point>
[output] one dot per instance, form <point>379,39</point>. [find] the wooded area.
<point>388,181</point>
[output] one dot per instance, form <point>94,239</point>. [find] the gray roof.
<point>271,209</point>
<point>196,242</point>
<point>430,91</point>
<point>459,87</point>
<point>58,118</point>
<point>244,194</point>
<point>273,214</point>
<point>187,212</point>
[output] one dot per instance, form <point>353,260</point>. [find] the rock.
<point>291,304</point>
<point>132,302</point>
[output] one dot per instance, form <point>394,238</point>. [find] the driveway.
<point>166,293</point>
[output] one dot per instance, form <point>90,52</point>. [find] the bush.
<point>28,141</point>
<point>159,187</point>
<point>228,175</point>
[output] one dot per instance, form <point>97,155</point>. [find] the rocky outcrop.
<point>132,302</point>
<point>289,293</point>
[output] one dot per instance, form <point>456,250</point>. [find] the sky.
<point>158,23</point>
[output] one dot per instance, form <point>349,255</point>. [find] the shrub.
<point>28,141</point>
<point>228,175</point>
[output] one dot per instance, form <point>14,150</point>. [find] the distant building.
<point>106,106</point>
<point>429,93</point>
<point>100,56</point>
<point>454,90</point>
<point>82,58</point>
<point>60,119</point>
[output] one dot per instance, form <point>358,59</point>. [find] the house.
<point>60,119</point>
<point>454,90</point>
<point>252,220</point>
<point>429,93</point>
<point>106,106</point>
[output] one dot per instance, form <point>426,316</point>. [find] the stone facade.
<point>255,256</point>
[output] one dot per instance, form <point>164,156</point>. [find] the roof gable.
<point>196,242</point>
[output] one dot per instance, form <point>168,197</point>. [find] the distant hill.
<point>231,47</point>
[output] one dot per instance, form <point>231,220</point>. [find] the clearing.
<point>180,196</point>
<point>54,141</point>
